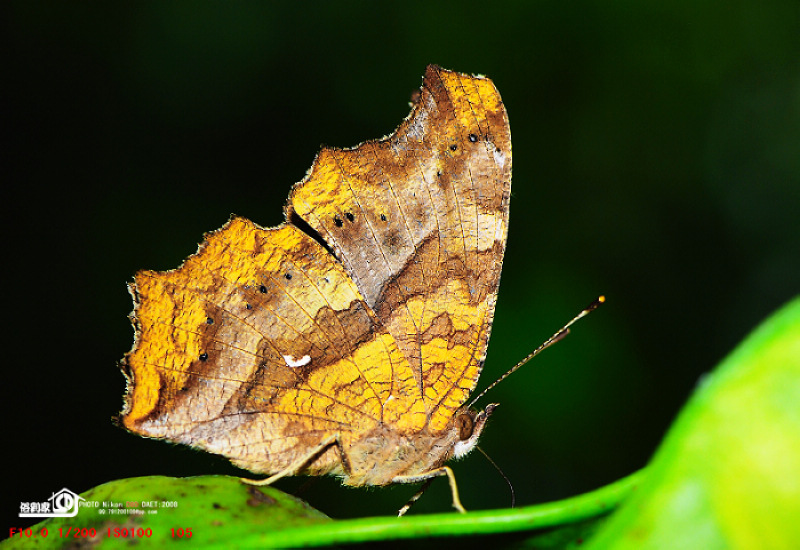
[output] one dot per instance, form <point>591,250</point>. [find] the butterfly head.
<point>469,425</point>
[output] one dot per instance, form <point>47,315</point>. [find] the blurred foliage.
<point>726,476</point>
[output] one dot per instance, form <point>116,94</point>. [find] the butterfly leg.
<point>300,463</point>
<point>427,477</point>
<point>415,498</point>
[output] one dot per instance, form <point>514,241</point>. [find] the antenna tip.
<point>596,303</point>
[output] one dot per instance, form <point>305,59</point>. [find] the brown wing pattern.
<point>263,344</point>
<point>259,347</point>
<point>419,220</point>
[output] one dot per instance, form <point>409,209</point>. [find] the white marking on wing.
<point>291,363</point>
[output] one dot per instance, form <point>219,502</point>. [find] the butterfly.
<point>346,340</point>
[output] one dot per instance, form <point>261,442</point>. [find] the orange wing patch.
<point>267,346</point>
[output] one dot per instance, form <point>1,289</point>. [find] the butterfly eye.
<point>464,424</point>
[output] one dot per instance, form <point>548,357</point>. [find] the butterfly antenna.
<point>557,337</point>
<point>496,467</point>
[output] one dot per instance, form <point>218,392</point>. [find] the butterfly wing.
<point>259,347</point>
<point>263,344</point>
<point>419,221</point>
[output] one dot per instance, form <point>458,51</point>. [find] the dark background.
<point>656,161</point>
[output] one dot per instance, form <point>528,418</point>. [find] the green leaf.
<point>215,509</point>
<point>224,512</point>
<point>728,473</point>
